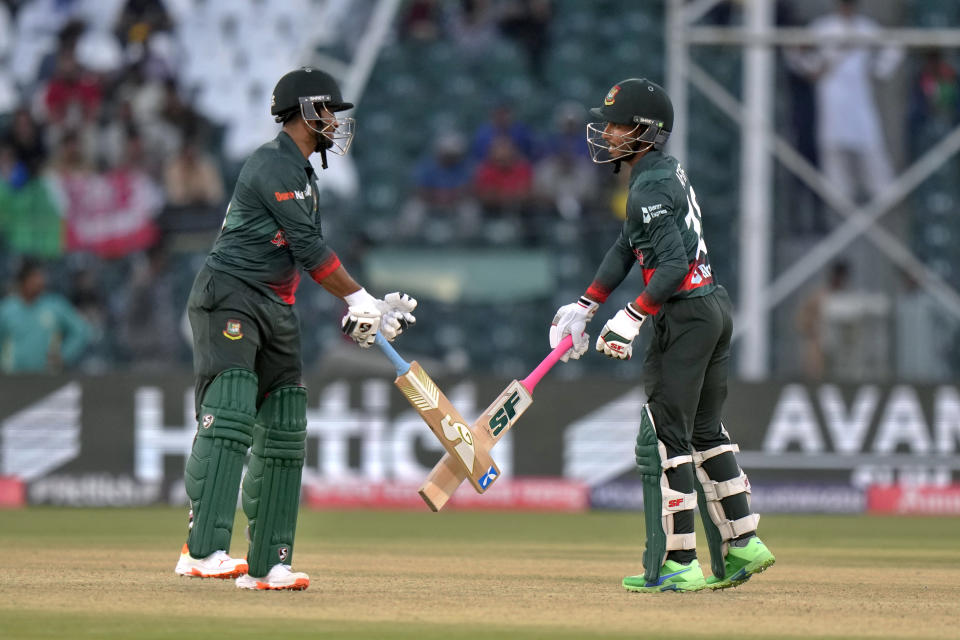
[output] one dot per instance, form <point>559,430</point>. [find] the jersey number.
<point>694,221</point>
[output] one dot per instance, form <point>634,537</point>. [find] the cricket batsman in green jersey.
<point>683,452</point>
<point>246,341</point>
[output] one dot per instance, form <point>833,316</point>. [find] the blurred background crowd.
<point>123,125</point>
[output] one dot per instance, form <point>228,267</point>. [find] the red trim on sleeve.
<point>645,304</point>
<point>325,268</point>
<point>598,292</point>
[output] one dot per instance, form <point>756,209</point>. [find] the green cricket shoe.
<point>673,577</point>
<point>743,562</point>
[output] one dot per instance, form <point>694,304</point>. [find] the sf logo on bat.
<point>511,408</point>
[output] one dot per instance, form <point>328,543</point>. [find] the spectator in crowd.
<point>150,318</point>
<point>565,179</point>
<point>934,101</point>
<point>192,179</point>
<point>73,95</point>
<point>852,150</point>
<point>28,145</point>
<point>504,180</point>
<point>13,172</point>
<point>422,21</point>
<point>39,331</point>
<point>810,321</point>
<point>565,182</point>
<point>443,190</point>
<point>472,24</point>
<point>803,208</point>
<point>528,23</point>
<point>30,220</point>
<point>845,330</point>
<point>567,137</point>
<point>502,123</point>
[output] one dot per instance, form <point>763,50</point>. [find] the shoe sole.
<point>196,573</point>
<point>743,575</point>
<point>676,587</point>
<point>298,585</point>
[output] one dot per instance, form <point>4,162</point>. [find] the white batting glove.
<point>616,337</point>
<point>362,320</point>
<point>397,309</point>
<point>572,319</point>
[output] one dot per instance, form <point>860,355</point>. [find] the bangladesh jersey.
<point>271,231</point>
<point>663,234</point>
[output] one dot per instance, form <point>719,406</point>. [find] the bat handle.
<point>401,365</point>
<point>541,370</point>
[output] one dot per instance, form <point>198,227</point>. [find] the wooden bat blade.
<point>492,425</point>
<point>469,450</point>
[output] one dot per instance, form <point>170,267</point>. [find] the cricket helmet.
<point>638,102</point>
<point>307,89</point>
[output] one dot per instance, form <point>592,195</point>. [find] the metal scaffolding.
<point>759,292</point>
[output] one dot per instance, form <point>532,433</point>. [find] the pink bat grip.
<point>537,374</point>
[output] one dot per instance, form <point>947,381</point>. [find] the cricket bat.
<point>470,457</point>
<point>492,424</point>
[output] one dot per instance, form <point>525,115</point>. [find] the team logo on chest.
<point>234,330</point>
<point>279,240</point>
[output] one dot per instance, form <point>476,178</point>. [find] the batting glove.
<point>397,309</point>
<point>362,320</point>
<point>616,337</point>
<point>572,319</point>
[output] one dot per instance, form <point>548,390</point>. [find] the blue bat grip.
<point>401,365</point>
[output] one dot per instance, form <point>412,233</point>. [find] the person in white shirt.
<point>853,154</point>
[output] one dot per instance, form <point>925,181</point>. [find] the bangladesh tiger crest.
<point>611,95</point>
<point>234,330</point>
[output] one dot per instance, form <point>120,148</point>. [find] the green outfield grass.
<point>103,573</point>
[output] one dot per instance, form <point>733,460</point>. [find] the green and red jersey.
<point>663,233</point>
<point>272,231</point>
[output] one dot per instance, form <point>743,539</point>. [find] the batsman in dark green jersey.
<point>683,452</point>
<point>246,339</point>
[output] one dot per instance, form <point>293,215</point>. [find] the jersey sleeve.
<point>651,211</point>
<point>614,268</point>
<point>286,200</point>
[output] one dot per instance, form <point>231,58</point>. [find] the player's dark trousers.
<point>237,327</point>
<point>685,371</point>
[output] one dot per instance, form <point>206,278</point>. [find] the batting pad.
<point>720,526</point>
<point>271,488</point>
<point>212,476</point>
<point>651,456</point>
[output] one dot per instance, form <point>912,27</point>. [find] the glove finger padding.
<point>616,337</point>
<point>397,309</point>
<point>572,319</point>
<point>401,302</point>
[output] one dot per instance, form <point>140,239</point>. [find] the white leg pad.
<point>730,529</point>
<point>714,492</point>
<point>674,501</point>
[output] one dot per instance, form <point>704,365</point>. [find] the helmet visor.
<point>338,131</point>
<point>618,147</point>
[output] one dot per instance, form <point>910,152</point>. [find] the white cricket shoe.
<point>280,577</point>
<point>216,565</point>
